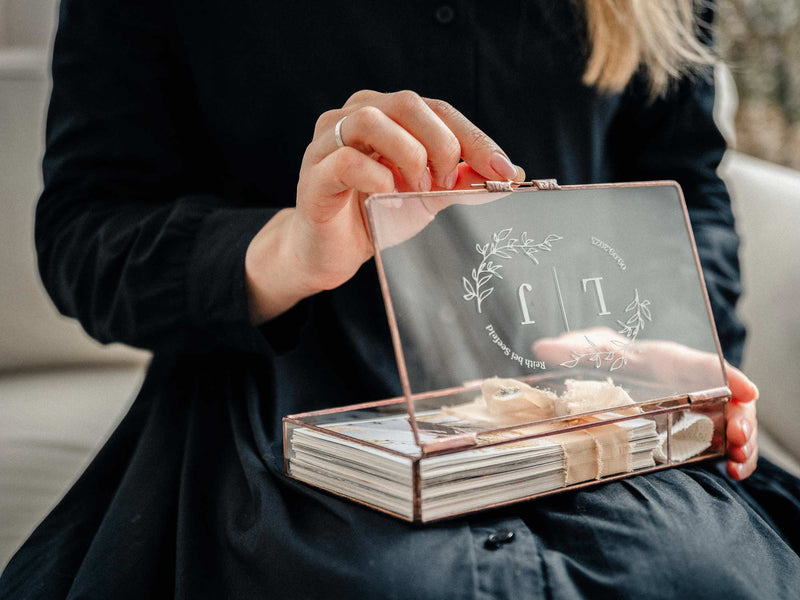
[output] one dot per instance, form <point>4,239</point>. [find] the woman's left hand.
<point>742,425</point>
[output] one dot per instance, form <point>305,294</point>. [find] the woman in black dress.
<point>174,218</point>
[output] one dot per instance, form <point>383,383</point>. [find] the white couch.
<point>61,393</point>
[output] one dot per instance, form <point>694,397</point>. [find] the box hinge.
<point>510,186</point>
<point>709,395</point>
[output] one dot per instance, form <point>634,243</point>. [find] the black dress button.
<point>445,14</point>
<point>498,538</point>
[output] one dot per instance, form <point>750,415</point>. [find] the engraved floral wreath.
<point>502,245</point>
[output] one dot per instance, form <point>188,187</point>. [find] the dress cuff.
<point>216,288</point>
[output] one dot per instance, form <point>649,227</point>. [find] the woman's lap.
<point>218,518</point>
<point>676,533</point>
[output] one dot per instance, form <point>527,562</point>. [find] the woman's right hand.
<point>397,141</point>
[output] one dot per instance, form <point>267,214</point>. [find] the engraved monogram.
<point>614,352</point>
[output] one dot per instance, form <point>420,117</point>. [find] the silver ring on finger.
<point>337,132</point>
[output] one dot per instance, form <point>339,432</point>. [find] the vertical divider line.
<point>561,300</point>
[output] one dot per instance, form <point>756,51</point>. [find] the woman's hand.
<point>742,425</point>
<point>397,141</point>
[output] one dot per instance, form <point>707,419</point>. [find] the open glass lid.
<point>509,308</point>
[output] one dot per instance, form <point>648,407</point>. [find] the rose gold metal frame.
<point>458,443</point>
<point>415,461</point>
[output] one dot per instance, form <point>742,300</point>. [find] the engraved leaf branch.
<point>639,314</point>
<point>640,310</point>
<point>501,246</point>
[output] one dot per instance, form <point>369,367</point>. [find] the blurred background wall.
<point>760,42</point>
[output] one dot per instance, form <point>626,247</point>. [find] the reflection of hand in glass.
<point>658,362</point>
<point>662,362</point>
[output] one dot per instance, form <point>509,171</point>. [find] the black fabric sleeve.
<point>134,237</point>
<point>675,137</point>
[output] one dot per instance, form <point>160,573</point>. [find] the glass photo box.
<point>547,338</point>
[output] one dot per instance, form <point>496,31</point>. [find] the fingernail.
<point>502,165</point>
<point>450,180</point>
<point>520,174</point>
<point>425,182</point>
<point>747,429</point>
<point>754,390</point>
<point>747,449</point>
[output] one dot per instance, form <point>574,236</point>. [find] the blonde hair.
<point>658,36</point>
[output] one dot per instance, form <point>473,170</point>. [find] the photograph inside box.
<point>545,339</point>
